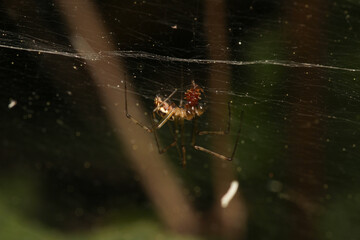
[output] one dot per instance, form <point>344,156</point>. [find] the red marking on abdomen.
<point>192,97</point>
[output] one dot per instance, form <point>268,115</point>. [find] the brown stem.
<point>306,129</point>
<point>231,220</point>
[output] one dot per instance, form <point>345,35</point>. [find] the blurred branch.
<point>90,35</point>
<point>306,128</point>
<point>231,220</point>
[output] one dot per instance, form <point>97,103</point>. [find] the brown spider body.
<point>168,110</point>
<point>192,107</point>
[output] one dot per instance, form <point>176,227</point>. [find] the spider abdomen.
<point>192,96</point>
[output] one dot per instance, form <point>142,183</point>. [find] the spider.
<point>191,111</point>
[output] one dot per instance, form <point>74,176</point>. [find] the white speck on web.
<point>225,200</point>
<point>12,103</point>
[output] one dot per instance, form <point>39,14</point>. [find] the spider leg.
<point>217,154</point>
<point>183,149</point>
<point>193,142</point>
<point>195,131</point>
<point>163,150</point>
<point>238,134</point>
<point>182,87</point>
<point>213,153</point>
<point>220,132</point>
<point>165,119</point>
<point>173,133</point>
<point>131,117</point>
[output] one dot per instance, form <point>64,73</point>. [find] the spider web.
<point>291,67</point>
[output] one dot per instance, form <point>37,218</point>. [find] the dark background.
<point>65,172</point>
